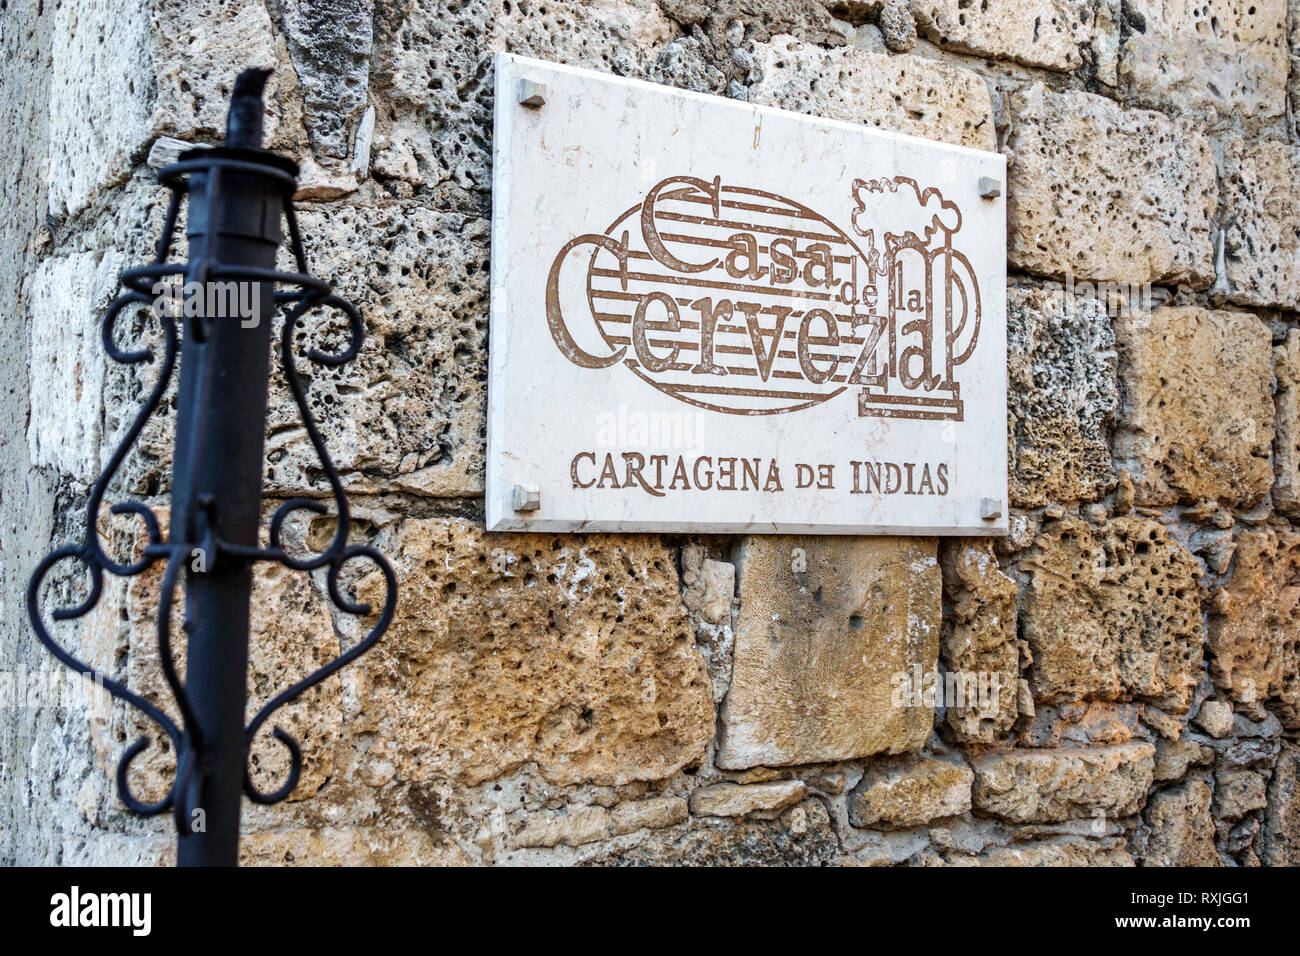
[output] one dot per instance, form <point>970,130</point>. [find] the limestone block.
<point>651,814</point>
<point>1046,33</point>
<point>905,94</point>
<point>910,794</point>
<point>1113,613</point>
<point>1062,395</point>
<point>1280,837</point>
<point>1182,830</point>
<point>408,413</point>
<point>1174,757</point>
<point>99,114</point>
<point>979,638</point>
<point>1197,418</point>
<point>1237,793</point>
<point>349,846</point>
<point>1286,449</point>
<point>574,653</point>
<point>66,296</point>
<point>1229,55</point>
<point>1215,718</point>
<point>710,585</point>
<point>736,800</point>
<point>1048,786</point>
<point>827,629</point>
<point>331,45</point>
<point>577,826</point>
<point>1063,852</point>
<point>1105,193</point>
<point>1262,237</point>
<point>1254,633</point>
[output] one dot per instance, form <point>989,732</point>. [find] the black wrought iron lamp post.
<point>238,196</point>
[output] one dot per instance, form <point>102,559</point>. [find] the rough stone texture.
<point>1262,237</point>
<point>737,800</point>
<point>911,793</point>
<point>1104,193</point>
<point>1046,33</point>
<point>710,585</point>
<point>1215,718</point>
<point>553,701</point>
<point>1286,449</point>
<point>573,653</point>
<point>825,627</point>
<point>1254,633</point>
<point>1280,840</point>
<point>1182,830</point>
<point>906,94</point>
<point>1229,55</point>
<point>1238,793</point>
<point>979,639</point>
<point>1113,613</point>
<point>1048,786</point>
<point>1062,395</point>
<point>1196,416</point>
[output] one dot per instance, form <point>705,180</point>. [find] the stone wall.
<point>1131,650</point>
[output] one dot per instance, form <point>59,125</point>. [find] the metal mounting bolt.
<point>990,508</point>
<point>989,187</point>
<point>532,93</point>
<point>525,498</point>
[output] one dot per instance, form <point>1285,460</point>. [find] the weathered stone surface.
<point>1113,613</point>
<point>1196,420</point>
<point>349,846</point>
<point>1081,723</point>
<point>979,638</point>
<point>1293,43</point>
<point>1046,33</point>
<point>572,653</point>
<point>1280,837</point>
<point>331,44</point>
<point>906,94</point>
<point>911,793</point>
<point>1181,827</point>
<point>1254,633</point>
<point>710,585</point>
<point>66,296</point>
<point>827,626</point>
<point>1286,448</point>
<point>1174,757</point>
<point>1062,394</point>
<point>1190,54</point>
<point>1215,718</point>
<point>1106,193</point>
<point>578,826</point>
<point>802,836</point>
<point>1065,852</point>
<point>408,412</point>
<point>1261,240</point>
<point>1048,786</point>
<point>652,814</point>
<point>1237,793</point>
<point>736,800</point>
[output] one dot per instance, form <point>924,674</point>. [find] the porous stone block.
<point>906,94</point>
<point>979,639</point>
<point>1227,55</point>
<point>1286,447</point>
<point>910,794</point>
<point>1106,193</point>
<point>828,628</point>
<point>1261,239</point>
<point>1062,395</point>
<point>736,800</point>
<point>1280,836</point>
<point>1197,419</point>
<point>1046,33</point>
<point>573,653</point>
<point>1113,613</point>
<point>1254,632</point>
<point>1049,786</point>
<point>1181,827</point>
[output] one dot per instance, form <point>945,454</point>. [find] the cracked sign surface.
<point>711,316</point>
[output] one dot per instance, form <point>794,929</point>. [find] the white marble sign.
<point>718,317</point>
